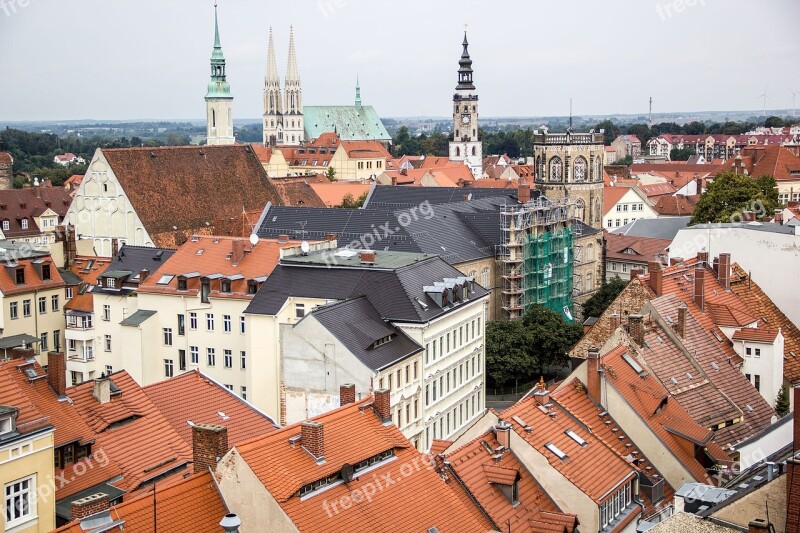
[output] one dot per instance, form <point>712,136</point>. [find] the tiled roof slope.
<point>478,473</point>
<point>131,422</point>
<point>193,397</point>
<point>593,468</point>
<point>192,504</point>
<point>298,193</point>
<point>88,269</point>
<point>332,194</point>
<point>776,161</point>
<point>353,433</point>
<point>25,204</point>
<point>33,280</point>
<point>389,195</point>
<point>676,206</point>
<point>184,188</point>
<point>644,249</point>
<point>759,304</point>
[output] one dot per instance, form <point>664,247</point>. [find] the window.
<point>485,278</point>
<point>167,336</point>
<point>225,285</point>
<point>243,359</point>
<point>241,324</point>
<point>299,310</point>
<point>205,289</point>
<point>192,320</point>
<point>68,293</point>
<point>758,352</point>
<point>106,312</point>
<point>181,325</point>
<point>227,358</point>
<point>168,369</point>
<point>57,340</point>
<point>24,223</point>
<point>20,501</point>
<point>748,351</point>
<point>111,283</point>
<point>54,302</point>
<point>42,305</point>
<point>243,393</point>
<point>757,382</point>
<point>427,353</point>
<point>212,356</point>
<point>226,323</point>
<point>209,322</point>
<point>77,377</point>
<point>107,343</point>
<point>194,354</point>
<point>182,359</point>
<point>427,395</point>
<point>109,370</point>
<point>7,226</point>
<point>71,344</point>
<point>13,310</point>
<point>182,284</point>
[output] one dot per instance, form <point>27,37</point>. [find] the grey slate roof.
<point>656,228</point>
<point>137,318</point>
<point>137,258</point>
<point>357,325</point>
<point>395,293</point>
<point>404,196</point>
<point>69,278</point>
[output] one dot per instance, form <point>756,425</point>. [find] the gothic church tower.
<point>273,100</point>
<point>293,130</point>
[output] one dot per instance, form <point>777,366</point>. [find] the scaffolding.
<point>537,256</point>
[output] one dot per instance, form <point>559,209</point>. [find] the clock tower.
<point>465,146</point>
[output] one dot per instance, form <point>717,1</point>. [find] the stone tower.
<point>465,146</point>
<point>571,164</point>
<point>273,99</point>
<point>219,101</point>
<point>293,130</point>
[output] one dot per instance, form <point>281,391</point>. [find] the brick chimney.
<point>699,287</point>
<point>503,432</point>
<point>656,277</point>
<point>636,328</point>
<point>312,438</point>
<point>675,261</point>
<point>347,394</point>
<point>114,246</point>
<point>22,353</point>
<point>615,321</point>
<point>779,217</point>
<point>523,192</point>
<point>93,504</point>
<point>725,270</point>
<point>702,258</point>
<point>209,444</point>
<point>758,525</point>
<point>680,323</point>
<point>330,237</point>
<point>542,395</point>
<point>237,251</point>
<point>143,275</point>
<point>367,257</point>
<point>102,389</point>
<point>636,272</point>
<point>283,238</point>
<point>715,267</point>
<point>593,373</point>
<point>748,216</point>
<point>383,405</point>
<point>404,172</point>
<point>57,373</point>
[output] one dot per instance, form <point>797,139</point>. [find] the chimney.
<point>700,287</point>
<point>615,321</point>
<point>209,444</point>
<point>748,216</point>
<point>793,489</point>
<point>93,504</point>
<point>57,373</point>
<point>367,257</point>
<point>312,438</point>
<point>636,328</point>
<point>102,389</point>
<point>593,373</point>
<point>702,258</point>
<point>383,405</point>
<point>283,238</point>
<point>503,432</point>
<point>237,251</point>
<point>394,178</point>
<point>143,275</point>
<point>779,217</point>
<point>725,270</point>
<point>699,182</point>
<point>542,395</point>
<point>114,246</point>
<point>680,324</point>
<point>656,276</point>
<point>675,261</point>
<point>636,272</point>
<point>758,526</point>
<point>230,522</point>
<point>715,267</point>
<point>347,394</point>
<point>523,192</point>
<point>23,352</point>
<point>330,237</point>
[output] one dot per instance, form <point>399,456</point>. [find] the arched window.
<point>578,285</point>
<point>589,285</point>
<point>458,151</point>
<point>473,274</point>
<point>474,151</point>
<point>579,169</point>
<point>590,252</point>
<point>580,209</point>
<point>556,169</point>
<point>213,118</point>
<point>272,103</point>
<point>485,278</point>
<point>598,169</point>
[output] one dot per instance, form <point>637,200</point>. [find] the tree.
<point>552,335</point>
<point>681,154</point>
<point>730,194</point>
<point>508,354</point>
<point>773,122</point>
<point>611,131</point>
<point>350,202</point>
<point>331,174</point>
<point>627,161</point>
<point>600,300</point>
<point>782,402</point>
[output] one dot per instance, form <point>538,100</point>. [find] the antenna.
<point>347,472</point>
<point>794,99</point>
<point>650,113</point>
<point>570,113</point>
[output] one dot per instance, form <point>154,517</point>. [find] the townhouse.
<point>434,338</point>
<point>32,215</point>
<point>625,254</point>
<point>777,161</point>
<point>622,205</point>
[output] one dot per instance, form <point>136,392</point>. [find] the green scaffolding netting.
<point>548,270</point>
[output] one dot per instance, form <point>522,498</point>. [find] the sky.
<point>149,59</point>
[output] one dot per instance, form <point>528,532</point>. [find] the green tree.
<point>681,154</point>
<point>552,335</point>
<point>600,300</point>
<point>773,122</point>
<point>782,402</point>
<point>694,128</point>
<point>508,351</point>
<point>730,194</point>
<point>350,202</point>
<point>627,161</point>
<point>331,174</point>
<point>611,131</point>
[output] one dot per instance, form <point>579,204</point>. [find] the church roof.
<point>352,123</point>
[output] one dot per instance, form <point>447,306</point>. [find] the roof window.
<point>556,451</point>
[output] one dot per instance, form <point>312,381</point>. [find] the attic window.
<point>7,424</point>
<point>111,283</point>
<point>225,285</point>
<point>20,276</point>
<point>165,279</point>
<point>383,340</point>
<point>633,364</point>
<point>556,451</point>
<point>46,272</point>
<point>252,287</point>
<point>181,284</point>
<point>574,436</point>
<point>6,225</point>
<point>24,223</point>
<point>199,252</point>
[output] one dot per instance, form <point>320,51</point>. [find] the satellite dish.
<point>469,197</point>
<point>305,247</point>
<point>347,472</point>
<point>253,239</point>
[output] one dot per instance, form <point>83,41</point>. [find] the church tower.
<point>465,146</point>
<point>293,130</point>
<point>273,99</point>
<point>219,100</point>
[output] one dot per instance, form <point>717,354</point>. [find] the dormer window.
<point>20,275</point>
<point>205,290</point>
<point>182,284</point>
<point>24,223</point>
<point>111,283</point>
<point>252,287</point>
<point>6,225</point>
<point>7,421</point>
<point>45,272</point>
<point>225,285</point>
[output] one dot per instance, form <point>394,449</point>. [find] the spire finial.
<point>291,70</point>
<point>358,93</point>
<point>216,28</point>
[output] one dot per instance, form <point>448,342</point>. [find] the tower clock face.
<point>465,119</point>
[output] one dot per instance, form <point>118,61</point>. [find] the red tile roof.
<point>17,205</point>
<point>760,334</point>
<point>332,194</point>
<point>365,150</point>
<point>33,281</point>
<point>418,500</point>
<point>298,193</point>
<point>439,162</point>
<point>191,504</point>
<point>613,194</point>
<point>635,249</point>
<point>5,157</point>
<point>88,268</point>
<point>197,398</point>
<point>776,161</point>
<point>676,206</point>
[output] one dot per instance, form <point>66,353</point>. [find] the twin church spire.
<point>283,109</point>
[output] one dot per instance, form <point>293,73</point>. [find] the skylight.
<point>633,364</point>
<point>555,449</point>
<point>574,436</point>
<point>199,252</point>
<point>165,279</point>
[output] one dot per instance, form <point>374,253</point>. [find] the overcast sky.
<point>137,59</point>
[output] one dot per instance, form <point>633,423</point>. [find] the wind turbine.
<point>764,97</point>
<point>794,99</point>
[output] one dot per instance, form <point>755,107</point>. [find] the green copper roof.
<point>350,122</point>
<point>218,87</point>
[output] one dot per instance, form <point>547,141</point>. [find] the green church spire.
<point>358,94</point>
<point>218,87</point>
